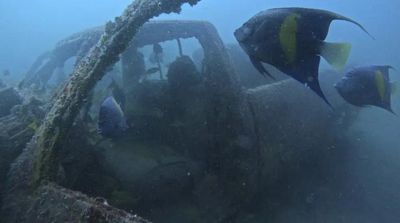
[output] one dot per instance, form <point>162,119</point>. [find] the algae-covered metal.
<point>39,162</point>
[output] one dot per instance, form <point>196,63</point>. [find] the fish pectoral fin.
<point>258,65</point>
<point>336,54</point>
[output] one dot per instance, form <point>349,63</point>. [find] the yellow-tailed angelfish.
<point>366,86</point>
<point>292,40</point>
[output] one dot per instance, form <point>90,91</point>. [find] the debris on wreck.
<point>182,73</point>
<point>16,130</point>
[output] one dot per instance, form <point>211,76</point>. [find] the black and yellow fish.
<point>112,122</point>
<point>368,85</point>
<point>292,40</point>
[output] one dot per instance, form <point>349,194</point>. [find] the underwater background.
<point>305,163</point>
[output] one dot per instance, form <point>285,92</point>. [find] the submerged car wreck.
<point>200,148</point>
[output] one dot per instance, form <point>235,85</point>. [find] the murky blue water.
<point>307,163</point>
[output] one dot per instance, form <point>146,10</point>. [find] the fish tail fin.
<point>385,69</point>
<point>344,18</point>
<point>395,87</point>
<point>336,54</point>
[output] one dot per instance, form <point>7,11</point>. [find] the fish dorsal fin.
<point>336,16</point>
<point>336,54</point>
<point>322,19</point>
